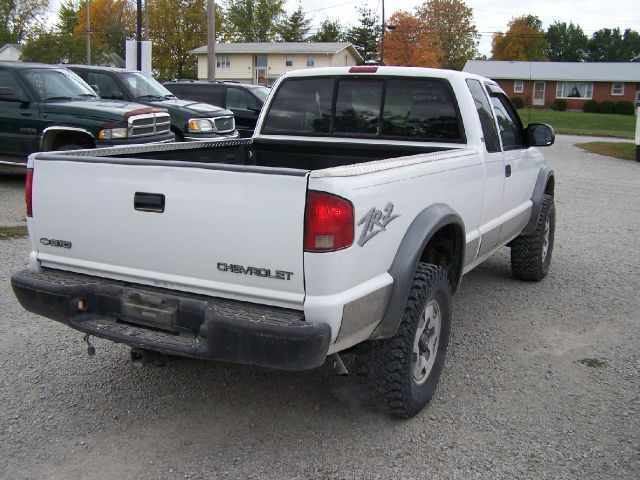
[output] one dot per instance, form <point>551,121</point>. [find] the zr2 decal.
<point>375,221</point>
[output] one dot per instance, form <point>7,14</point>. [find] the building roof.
<point>280,47</point>
<point>562,71</point>
<point>17,46</point>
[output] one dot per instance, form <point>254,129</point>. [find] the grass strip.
<point>580,123</point>
<point>7,233</point>
<point>622,150</point>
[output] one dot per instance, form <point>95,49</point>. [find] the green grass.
<point>580,123</point>
<point>623,150</point>
<point>13,232</point>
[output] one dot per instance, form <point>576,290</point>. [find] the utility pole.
<point>139,35</point>
<point>88,34</point>
<point>382,42</point>
<point>211,40</point>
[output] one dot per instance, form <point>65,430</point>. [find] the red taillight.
<point>363,69</point>
<point>28,189</point>
<point>328,222</point>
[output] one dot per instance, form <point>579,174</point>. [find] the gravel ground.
<point>515,400</point>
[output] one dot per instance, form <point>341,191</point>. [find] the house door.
<point>260,70</point>
<point>538,93</point>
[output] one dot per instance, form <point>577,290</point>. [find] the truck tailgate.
<point>229,232</point>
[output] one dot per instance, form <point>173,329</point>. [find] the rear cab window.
<point>376,107</point>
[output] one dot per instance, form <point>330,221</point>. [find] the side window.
<point>485,112</point>
<point>420,108</point>
<point>240,99</point>
<point>106,85</point>
<point>358,107</point>
<point>7,81</point>
<point>301,106</point>
<point>508,123</point>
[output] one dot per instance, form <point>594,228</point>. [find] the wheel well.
<point>53,141</point>
<point>445,249</point>
<point>550,187</point>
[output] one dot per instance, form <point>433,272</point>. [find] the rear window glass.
<point>420,109</point>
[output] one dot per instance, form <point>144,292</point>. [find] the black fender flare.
<point>415,240</point>
<point>544,176</point>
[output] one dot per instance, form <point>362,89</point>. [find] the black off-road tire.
<point>529,259</point>
<point>385,369</point>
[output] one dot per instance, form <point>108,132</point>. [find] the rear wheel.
<point>531,254</point>
<point>399,375</point>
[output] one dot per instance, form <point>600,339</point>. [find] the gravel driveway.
<point>542,380</point>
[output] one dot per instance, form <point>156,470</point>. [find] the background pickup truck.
<point>44,107</point>
<point>347,221</point>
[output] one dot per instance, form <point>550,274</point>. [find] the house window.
<point>310,61</point>
<point>617,89</point>
<point>289,61</point>
<point>637,96</point>
<point>223,61</point>
<point>580,90</point>
<point>518,86</point>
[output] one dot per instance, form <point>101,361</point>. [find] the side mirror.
<point>95,88</point>
<point>540,135</point>
<point>8,94</point>
<point>117,95</point>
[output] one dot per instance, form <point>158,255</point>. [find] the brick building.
<point>540,83</point>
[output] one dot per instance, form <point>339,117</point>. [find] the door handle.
<point>507,171</point>
<point>148,202</point>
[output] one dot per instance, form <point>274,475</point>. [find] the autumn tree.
<point>408,42</point>
<point>253,20</point>
<point>19,18</point>
<point>524,40</point>
<point>565,43</point>
<point>453,33</point>
<point>329,31</point>
<point>112,22</point>
<point>173,36</point>
<point>366,35</point>
<point>295,27</point>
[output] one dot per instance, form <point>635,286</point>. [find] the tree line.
<point>438,33</point>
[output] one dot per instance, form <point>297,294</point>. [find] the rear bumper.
<point>174,322</point>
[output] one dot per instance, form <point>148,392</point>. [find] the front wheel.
<point>531,254</point>
<point>399,375</point>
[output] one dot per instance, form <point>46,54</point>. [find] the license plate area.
<point>150,310</point>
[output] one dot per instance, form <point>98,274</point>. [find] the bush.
<point>590,106</point>
<point>624,108</point>
<point>517,102</point>
<point>559,105</point>
<point>606,107</point>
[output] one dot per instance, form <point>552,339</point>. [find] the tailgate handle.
<point>149,202</point>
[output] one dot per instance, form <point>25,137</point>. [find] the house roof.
<point>562,71</point>
<point>280,47</point>
<point>16,46</point>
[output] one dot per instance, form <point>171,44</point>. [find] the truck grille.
<point>225,124</point>
<point>149,124</point>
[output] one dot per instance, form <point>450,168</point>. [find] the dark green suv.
<point>190,120</point>
<point>46,107</point>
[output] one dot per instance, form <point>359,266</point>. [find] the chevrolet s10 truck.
<point>345,223</point>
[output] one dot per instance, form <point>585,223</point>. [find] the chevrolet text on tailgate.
<point>347,221</point>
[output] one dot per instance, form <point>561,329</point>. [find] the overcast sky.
<point>489,15</point>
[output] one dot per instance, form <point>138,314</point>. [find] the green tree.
<point>453,33</point>
<point>566,43</point>
<point>609,45</point>
<point>524,40</point>
<point>112,23</point>
<point>329,31</point>
<point>68,16</point>
<point>19,18</point>
<point>366,36</point>
<point>253,20</point>
<point>295,27</point>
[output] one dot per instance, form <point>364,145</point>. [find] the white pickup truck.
<point>347,221</point>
